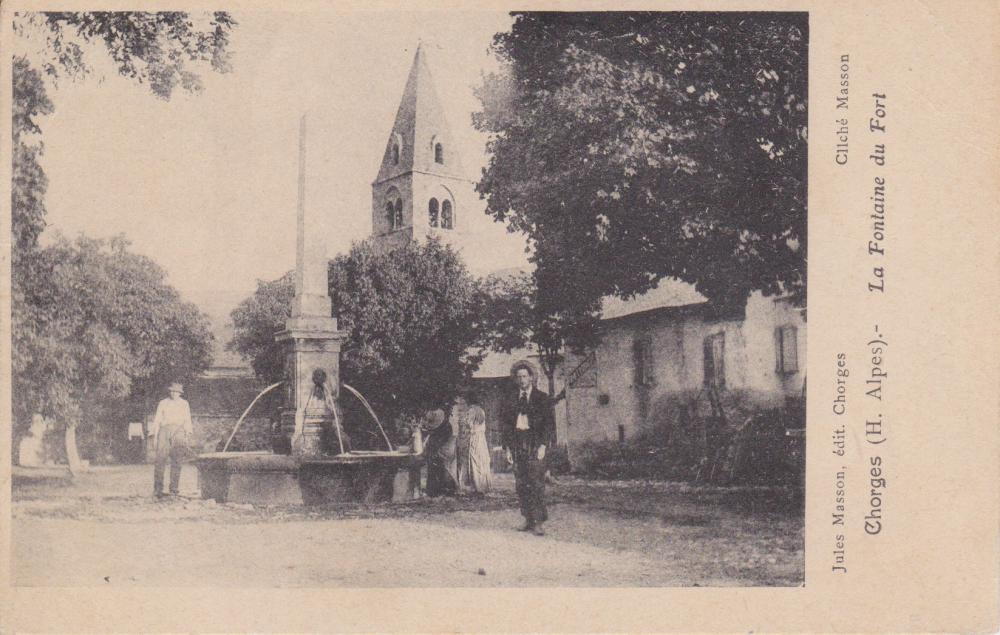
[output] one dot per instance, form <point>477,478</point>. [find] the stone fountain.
<point>310,464</point>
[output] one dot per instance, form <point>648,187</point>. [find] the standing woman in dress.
<point>476,474</point>
<point>461,415</point>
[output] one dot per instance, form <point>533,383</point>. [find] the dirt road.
<point>104,529</point>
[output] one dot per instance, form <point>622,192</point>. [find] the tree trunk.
<point>556,398</point>
<point>72,454</point>
<point>549,360</point>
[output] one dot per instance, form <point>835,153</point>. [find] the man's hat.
<point>176,387</point>
<point>525,364</point>
<point>433,419</point>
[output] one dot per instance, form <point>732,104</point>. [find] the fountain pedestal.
<point>312,348</point>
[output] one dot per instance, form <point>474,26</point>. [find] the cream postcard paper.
<point>451,317</point>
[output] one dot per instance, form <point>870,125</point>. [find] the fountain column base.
<point>312,353</point>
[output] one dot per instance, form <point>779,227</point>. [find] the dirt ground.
<point>104,528</point>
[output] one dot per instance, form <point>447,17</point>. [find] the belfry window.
<point>393,209</point>
<point>432,212</point>
<point>395,154</point>
<point>438,153</point>
<point>390,215</point>
<point>447,216</point>
<point>398,216</point>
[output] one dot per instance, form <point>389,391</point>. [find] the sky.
<point>206,184</point>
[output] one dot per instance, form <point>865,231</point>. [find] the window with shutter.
<point>786,349</point>
<point>642,362</point>
<point>714,349</point>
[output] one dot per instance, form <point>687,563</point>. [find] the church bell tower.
<point>421,189</point>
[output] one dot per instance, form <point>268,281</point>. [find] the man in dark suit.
<point>528,427</point>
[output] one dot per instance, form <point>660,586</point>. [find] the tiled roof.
<point>670,292</point>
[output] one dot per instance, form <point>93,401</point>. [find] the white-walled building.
<point>664,349</point>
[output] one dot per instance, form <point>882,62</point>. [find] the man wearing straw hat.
<point>172,429</point>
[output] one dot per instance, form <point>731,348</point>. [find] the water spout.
<point>368,407</point>
<point>247,411</point>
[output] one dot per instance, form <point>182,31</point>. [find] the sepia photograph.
<point>400,298</point>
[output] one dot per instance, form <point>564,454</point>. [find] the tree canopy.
<point>411,316</point>
<point>255,322</point>
<point>515,314</point>
<point>92,323</point>
<point>161,49</point>
<point>29,183</point>
<point>99,325</point>
<point>634,146</point>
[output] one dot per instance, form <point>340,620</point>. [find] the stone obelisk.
<point>311,339</point>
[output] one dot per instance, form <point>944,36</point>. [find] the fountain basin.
<point>264,478</point>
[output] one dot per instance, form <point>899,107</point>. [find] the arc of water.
<point>368,407</point>
<point>331,404</point>
<point>247,411</point>
<point>336,425</point>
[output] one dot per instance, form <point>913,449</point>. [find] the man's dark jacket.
<point>541,420</point>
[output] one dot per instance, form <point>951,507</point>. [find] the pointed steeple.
<point>420,138</point>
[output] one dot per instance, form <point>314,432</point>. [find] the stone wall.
<point>209,431</point>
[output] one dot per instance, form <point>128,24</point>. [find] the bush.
<point>688,441</point>
<point>557,459</point>
<point>634,459</point>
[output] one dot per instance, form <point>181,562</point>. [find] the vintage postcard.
<point>485,317</point>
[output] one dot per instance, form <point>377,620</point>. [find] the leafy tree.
<point>157,49</point>
<point>161,50</point>
<point>29,182</point>
<point>630,147</point>
<point>514,314</point>
<point>255,322</point>
<point>105,327</point>
<point>411,317</point>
